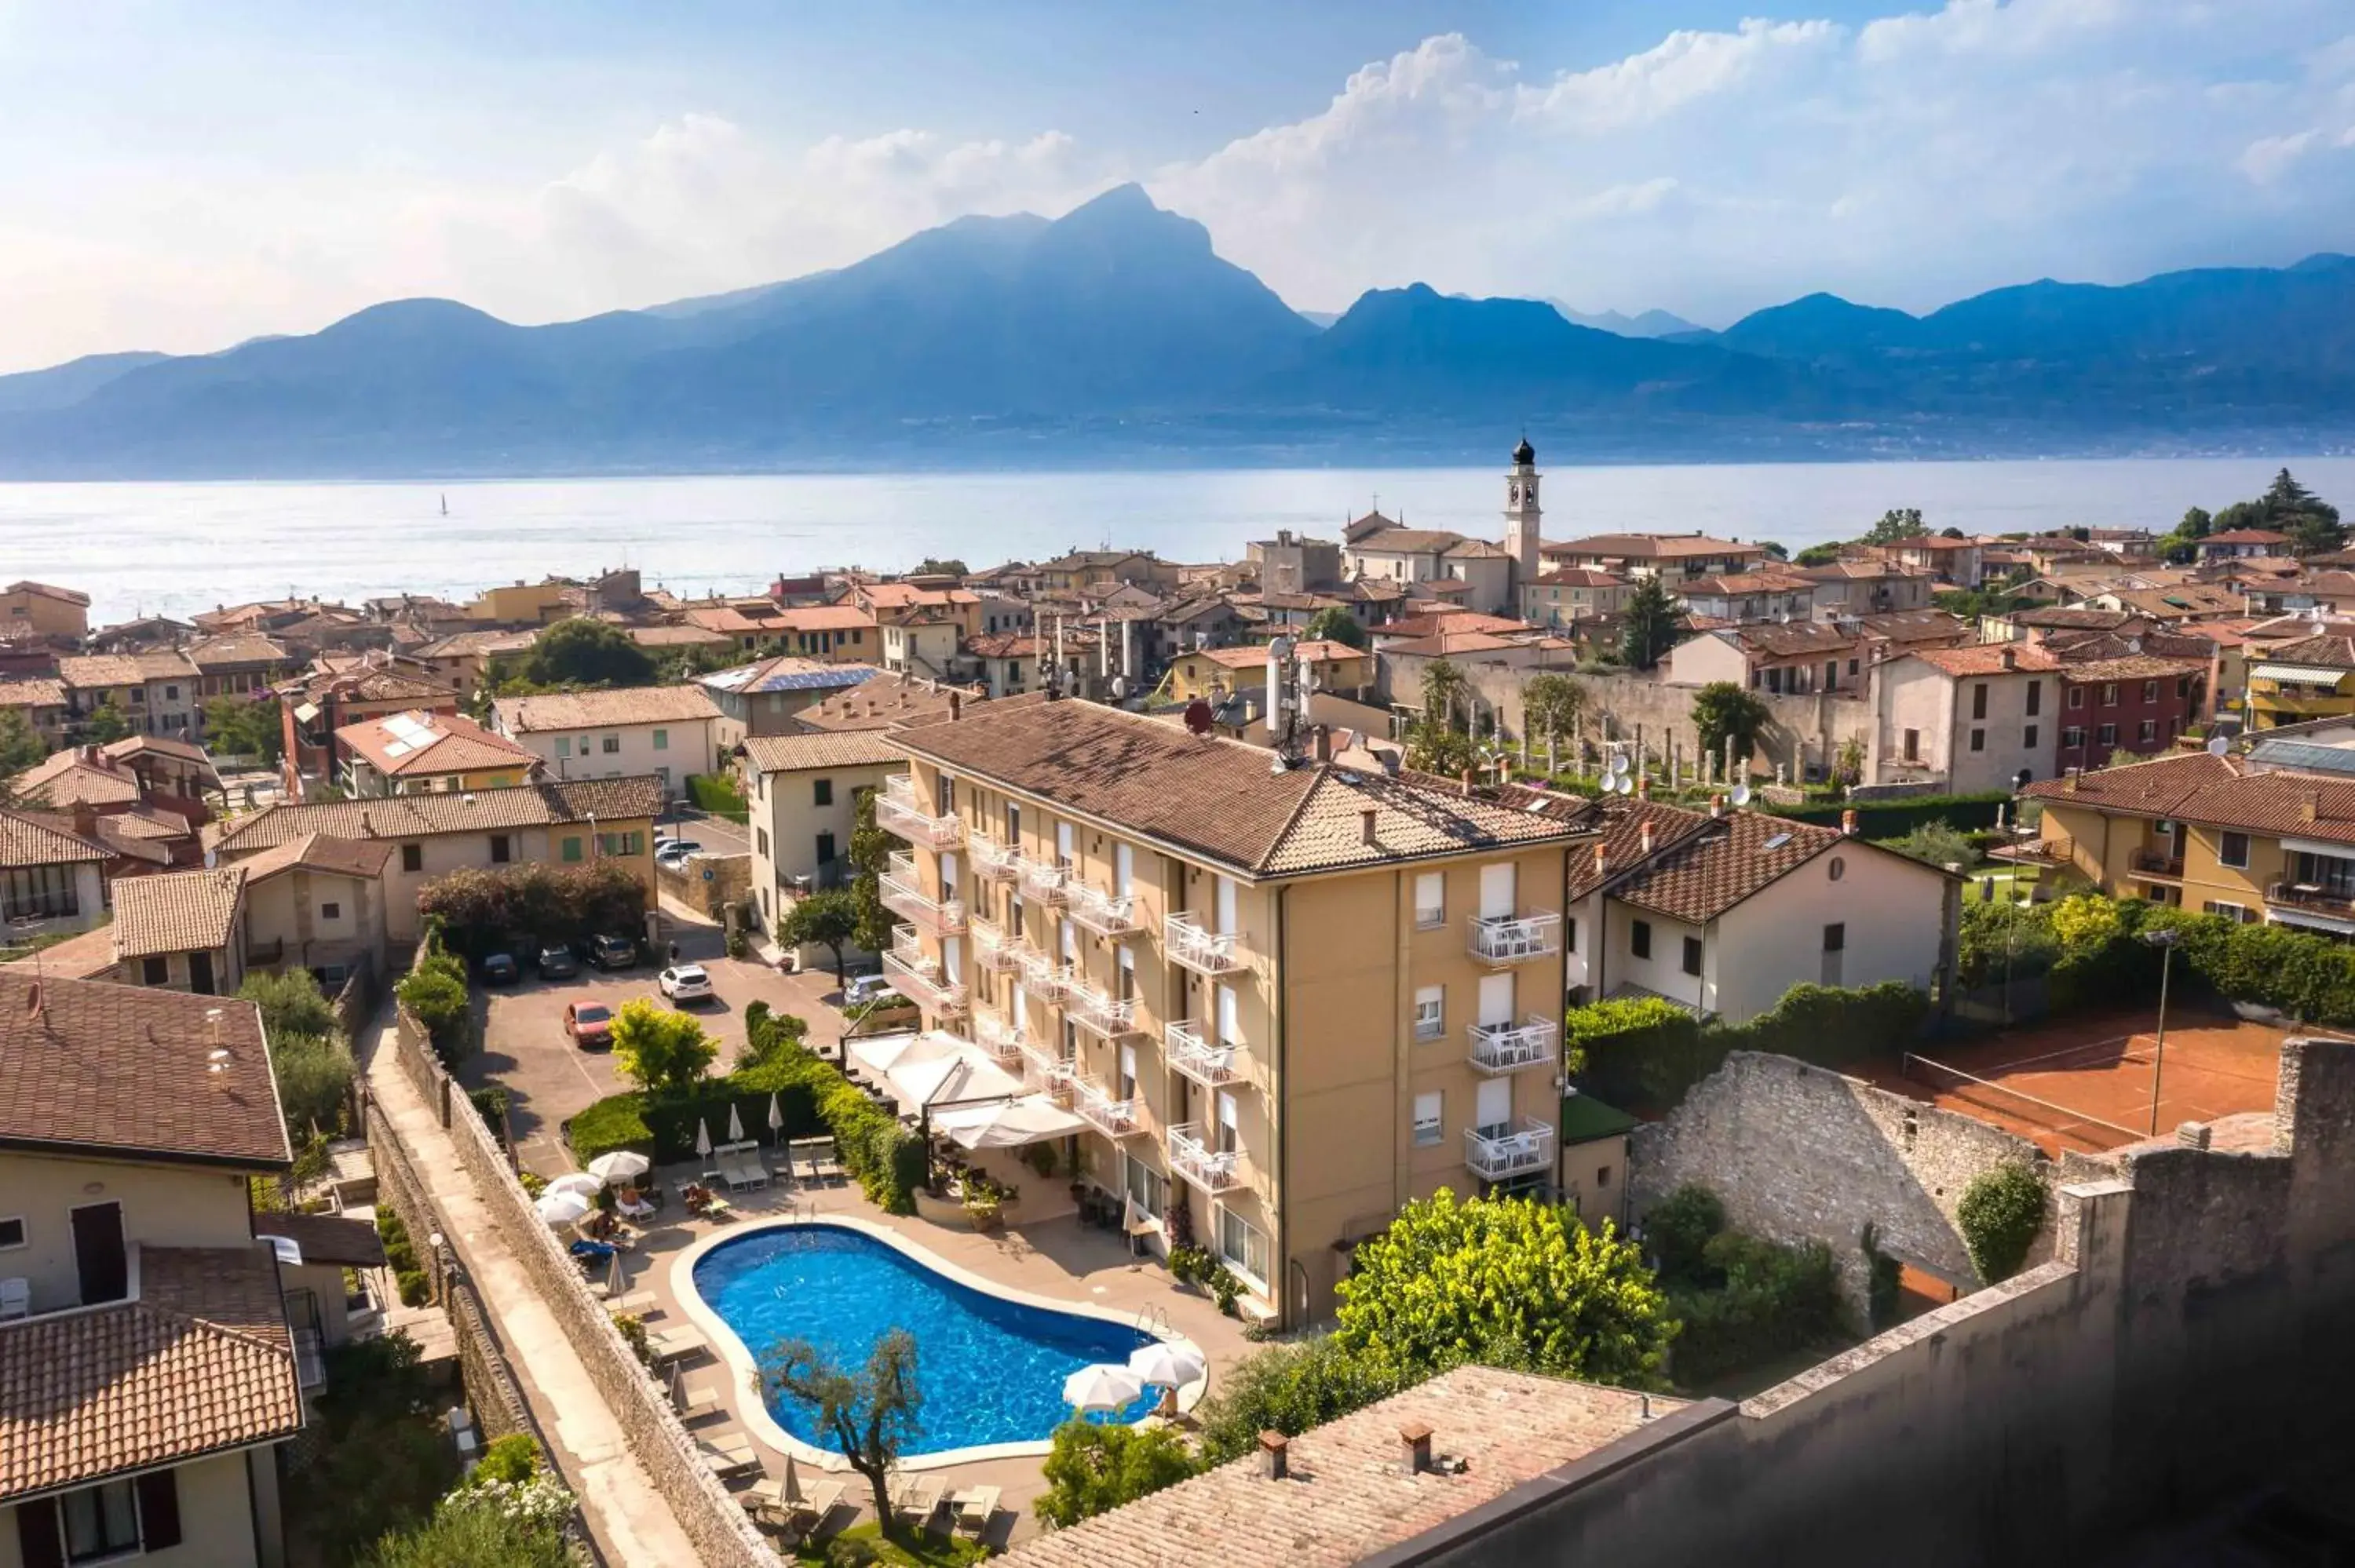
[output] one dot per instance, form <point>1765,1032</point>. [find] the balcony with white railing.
<point>1096,1107</point>
<point>1194,1160</point>
<point>1001,1038</point>
<point>902,891</point>
<point>1045,1067</point>
<point>1044,881</point>
<point>1515,939</point>
<point>992,861</point>
<point>1203,951</point>
<point>1195,1053</point>
<point>920,978</point>
<point>898,811</point>
<point>1105,914</point>
<point>1098,1013</point>
<point>1493,1157</point>
<point>1499,1048</point>
<point>1044,976</point>
<point>996,952</point>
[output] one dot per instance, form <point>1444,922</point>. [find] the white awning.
<point>917,1070</point>
<point>2322,674</point>
<point>1008,1124</point>
<point>2320,847</point>
<point>2277,916</point>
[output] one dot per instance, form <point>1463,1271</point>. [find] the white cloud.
<point>2268,158</point>
<point>1682,67</point>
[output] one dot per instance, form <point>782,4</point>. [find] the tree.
<point>1723,710</point>
<point>244,726</point>
<point>831,920</point>
<point>1649,629</point>
<point>1434,748</point>
<point>106,722</point>
<point>1818,555</point>
<point>1443,690</point>
<point>315,1074</point>
<point>935,566</point>
<point>1774,550</point>
<point>870,854</point>
<point>1550,705</point>
<point>1289,1389</point>
<point>1847,767</point>
<point>1896,524</point>
<point>1505,1280</point>
<point>2000,1215</point>
<point>2311,523</point>
<point>585,652</point>
<point>870,1415</point>
<point>1334,623</point>
<point>291,1004</point>
<point>1950,532</point>
<point>20,747</point>
<point>660,1050</point>
<point>1094,1469</point>
<point>1937,844</point>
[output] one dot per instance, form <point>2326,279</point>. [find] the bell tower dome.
<point>1522,515</point>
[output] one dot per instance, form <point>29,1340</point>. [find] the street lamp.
<point>2165,942</point>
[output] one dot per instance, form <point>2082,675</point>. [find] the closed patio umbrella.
<point>790,1488</point>
<point>561,1208</point>
<point>735,1124</point>
<point>702,1137</point>
<point>1107,1386</point>
<point>777,1126</point>
<point>621,1165</point>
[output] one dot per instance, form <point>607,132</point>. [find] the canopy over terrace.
<point>963,1091</point>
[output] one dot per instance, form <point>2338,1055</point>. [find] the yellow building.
<point>521,604</point>
<point>1216,673</point>
<point>1286,1001</point>
<point>40,610</point>
<point>2312,678</point>
<point>2210,833</point>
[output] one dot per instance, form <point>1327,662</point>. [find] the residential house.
<point>102,778</point>
<point>141,634</point>
<point>51,878</point>
<point>902,602</point>
<point>2234,542</point>
<point>999,614</point>
<point>664,644</point>
<point>887,702</point>
<point>2302,678</point>
<point>1429,558</point>
<point>1080,569</point>
<point>666,731</point>
<point>1294,563</point>
<point>2137,704</point>
<point>522,604</point>
<point>839,633</point>
<point>550,822</point>
<point>314,708</point>
<point>1966,719</point>
<point>1673,556</point>
<point>43,611</point>
<point>177,930</point>
<point>1952,561</point>
<point>418,752</point>
<point>804,791</point>
<point>1570,593</point>
<point>1766,594</point>
<point>242,664</point>
<point>762,698</point>
<point>1219,673</point>
<point>1007,662</point>
<point>2037,623</point>
<point>460,662</point>
<point>922,644</point>
<point>155,693</point>
<point>43,702</point>
<point>1289,999</point>
<point>1791,659</point>
<point>2172,604</point>
<point>1868,587</point>
<point>1907,632</point>
<point>1722,914</point>
<point>317,903</point>
<point>158,1366</point>
<point>178,774</point>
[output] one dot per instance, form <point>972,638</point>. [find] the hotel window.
<point>1128,1070</point>
<point>1146,1187</point>
<point>2107,734</point>
<point>2072,739</point>
<point>2150,731</point>
<point>1639,938</point>
<point>2237,912</point>
<point>1242,1247</point>
<point>2232,851</point>
<point>1692,955</point>
<point>1429,1118</point>
<point>1429,1011</point>
<point>1229,1016</point>
<point>2150,691</point>
<point>1430,900</point>
<point>2109,694</point>
<point>1230,1119</point>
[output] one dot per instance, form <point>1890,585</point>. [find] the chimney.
<point>1717,806</point>
<point>1414,1447</point>
<point>1848,823</point>
<point>2305,807</point>
<point>2008,657</point>
<point>956,706</point>
<point>1320,743</point>
<point>1467,781</point>
<point>1643,786</point>
<point>1602,859</point>
<point>1274,1463</point>
<point>2069,782</point>
<point>1644,839</point>
<point>1366,827</point>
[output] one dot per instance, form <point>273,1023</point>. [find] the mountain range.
<point>1117,333</point>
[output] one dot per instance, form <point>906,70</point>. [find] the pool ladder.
<point>1153,1320</point>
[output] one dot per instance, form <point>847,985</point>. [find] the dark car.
<point>558,963</point>
<point>499,969</point>
<point>613,952</point>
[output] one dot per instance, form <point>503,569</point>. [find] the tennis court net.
<point>2030,1110</point>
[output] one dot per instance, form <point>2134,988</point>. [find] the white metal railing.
<point>1193,1158</point>
<point>898,811</point>
<point>1001,1038</point>
<point>1044,881</point>
<point>901,889</point>
<point>993,949</point>
<point>1043,975</point>
<point>1105,914</point>
<point>920,977</point>
<point>1206,952</point>
<point>1509,1047</point>
<point>1048,1067</point>
<point>1511,938</point>
<point>1198,1056</point>
<point>1492,1157</point>
<point>1100,1110</point>
<point>991,860</point>
<point>1098,1013</point>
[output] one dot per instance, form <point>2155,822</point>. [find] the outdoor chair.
<point>915,1498</point>
<point>675,1344</point>
<point>974,1508</point>
<point>728,1453</point>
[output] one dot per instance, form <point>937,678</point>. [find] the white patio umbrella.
<point>735,1124</point>
<point>702,1137</point>
<point>1107,1386</point>
<point>777,1125</point>
<point>578,1182</point>
<point>1162,1364</point>
<point>790,1487</point>
<point>561,1208</point>
<point>619,1166</point>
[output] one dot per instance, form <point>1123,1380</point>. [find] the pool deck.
<point>1051,1256</point>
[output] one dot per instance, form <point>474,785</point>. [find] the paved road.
<point>717,834</point>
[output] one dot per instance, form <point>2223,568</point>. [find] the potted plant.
<point>985,1202</point>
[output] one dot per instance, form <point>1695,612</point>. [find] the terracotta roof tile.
<point>2212,791</point>
<point>199,1362</point>
<point>28,839</point>
<point>1988,659</point>
<point>589,710</point>
<point>33,692</point>
<point>1648,546</point>
<point>177,912</point>
<point>2130,667</point>
<point>67,778</point>
<point>888,702</point>
<point>97,672</point>
<point>1707,872</point>
<point>413,744</point>
<point>319,852</point>
<point>2330,649</point>
<point>125,1068</point>
<point>540,804</point>
<point>848,749</point>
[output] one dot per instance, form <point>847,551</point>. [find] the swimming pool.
<point>991,1368</point>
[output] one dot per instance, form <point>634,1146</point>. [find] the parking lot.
<point>548,1079</point>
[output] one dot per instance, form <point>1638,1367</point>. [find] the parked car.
<point>558,963</point>
<point>588,1023</point>
<point>499,969</point>
<point>685,983</point>
<point>675,851</point>
<point>863,989</point>
<point>613,952</point>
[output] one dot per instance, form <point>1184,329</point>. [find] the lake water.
<point>175,548</point>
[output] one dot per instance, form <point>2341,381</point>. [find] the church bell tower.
<point>1522,515</point>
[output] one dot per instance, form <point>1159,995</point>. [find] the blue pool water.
<point>992,1371</point>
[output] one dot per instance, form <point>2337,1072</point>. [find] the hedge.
<point>2097,957</point>
<point>1651,1053</point>
<point>482,910</point>
<point>1895,819</point>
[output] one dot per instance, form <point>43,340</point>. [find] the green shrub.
<point>1651,1053</point>
<point>436,996</point>
<point>291,1004</point>
<point>1094,1469</point>
<point>481,1537</point>
<point>1678,1229</point>
<point>490,1103</point>
<point>416,1288</point>
<point>617,1122</point>
<point>2000,1215</point>
<point>1289,1389</point>
<point>1895,819</point>
<point>853,1552</point>
<point>1767,1300</point>
<point>314,1079</point>
<point>718,794</point>
<point>514,1458</point>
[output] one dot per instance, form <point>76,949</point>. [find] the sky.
<point>182,177</point>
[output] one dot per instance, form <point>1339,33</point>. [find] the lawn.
<point>926,1552</point>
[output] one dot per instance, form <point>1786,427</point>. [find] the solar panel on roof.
<point>1777,842</point>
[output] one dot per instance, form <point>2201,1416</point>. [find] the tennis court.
<point>2087,1084</point>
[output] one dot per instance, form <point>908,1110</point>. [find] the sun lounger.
<point>641,1209</point>
<point>743,1166</point>
<point>915,1498</point>
<point>693,1401</point>
<point>634,1304</point>
<point>974,1508</point>
<point>675,1345</point>
<point>728,1453</point>
<point>823,1164</point>
<point>817,1502</point>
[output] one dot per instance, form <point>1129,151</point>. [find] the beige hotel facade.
<point>1287,1001</point>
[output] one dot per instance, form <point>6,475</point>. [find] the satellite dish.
<point>1618,765</point>
<point>1624,785</point>
<point>2218,745</point>
<point>1741,794</point>
<point>1197,716</point>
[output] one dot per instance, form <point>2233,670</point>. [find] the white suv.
<point>685,982</point>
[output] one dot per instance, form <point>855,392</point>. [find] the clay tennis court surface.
<point>2087,1084</point>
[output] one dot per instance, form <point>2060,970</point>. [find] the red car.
<point>588,1023</point>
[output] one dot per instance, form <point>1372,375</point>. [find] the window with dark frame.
<point>1692,955</point>
<point>1639,938</point>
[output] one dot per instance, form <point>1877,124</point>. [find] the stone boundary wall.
<point>732,879</point>
<point>1803,1153</point>
<point>722,1532</point>
<point>397,1184</point>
